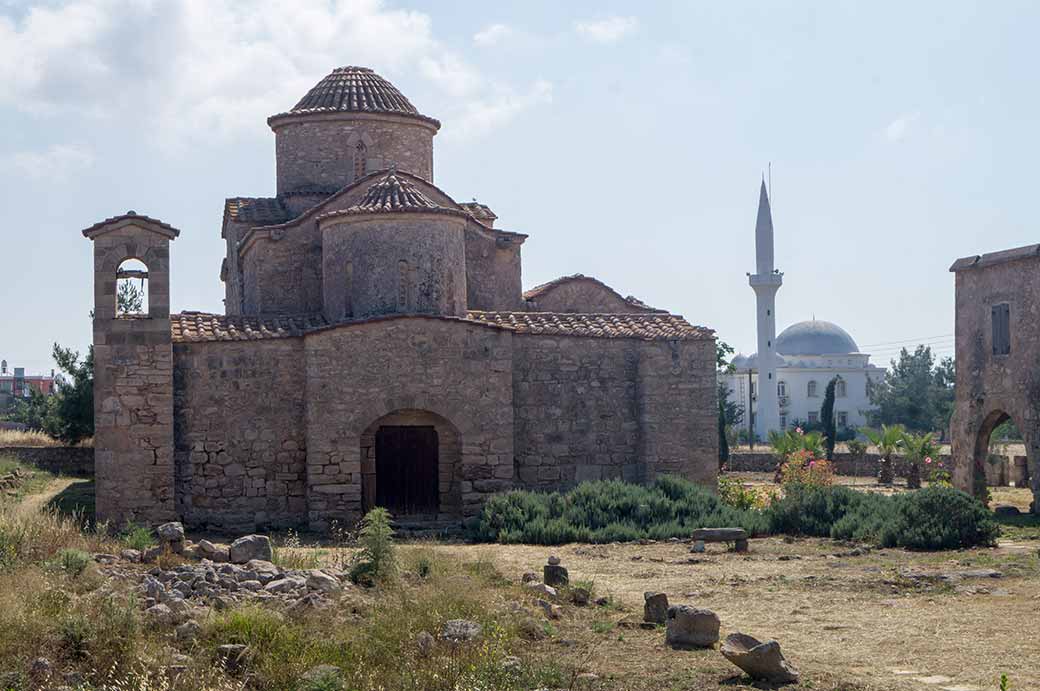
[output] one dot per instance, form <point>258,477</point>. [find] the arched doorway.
<point>408,465</point>
<point>981,450</point>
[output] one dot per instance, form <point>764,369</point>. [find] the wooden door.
<point>406,470</point>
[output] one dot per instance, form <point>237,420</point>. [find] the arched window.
<point>781,388</point>
<point>839,389</point>
<point>132,289</point>
<point>402,285</point>
<point>360,159</point>
<point>812,389</point>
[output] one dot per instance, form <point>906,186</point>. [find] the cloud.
<point>58,162</point>
<point>492,35</point>
<point>607,30</point>
<point>900,128</point>
<point>481,115</point>
<point>209,70</point>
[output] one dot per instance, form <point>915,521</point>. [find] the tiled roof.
<point>652,326</point>
<point>394,194</point>
<point>191,327</point>
<point>356,90</point>
<point>87,232</point>
<point>258,210</point>
<point>537,291</point>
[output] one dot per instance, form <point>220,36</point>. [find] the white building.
<point>809,355</point>
<point>797,365</point>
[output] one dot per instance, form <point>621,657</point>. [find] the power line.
<point>921,339</point>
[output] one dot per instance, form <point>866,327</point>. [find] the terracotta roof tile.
<point>355,90</point>
<point>258,210</point>
<point>127,216</point>
<point>651,326</point>
<point>192,327</point>
<point>394,194</point>
<point>195,327</point>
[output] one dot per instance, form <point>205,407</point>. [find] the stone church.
<point>376,349</point>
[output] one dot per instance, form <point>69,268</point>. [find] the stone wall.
<point>454,370</point>
<point>409,263</point>
<point>493,270</point>
<point>77,461</point>
<point>318,150</point>
<point>582,295</point>
<point>992,386</point>
<point>133,381</point>
<point>589,409</point>
<point>239,434</point>
<point>282,272</point>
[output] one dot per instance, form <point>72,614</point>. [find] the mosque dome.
<point>815,337</point>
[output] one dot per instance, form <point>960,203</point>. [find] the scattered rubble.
<point>759,660</point>
<point>690,627</point>
<point>655,607</point>
<point>553,574</point>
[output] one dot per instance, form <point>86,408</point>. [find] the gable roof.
<point>259,210</point>
<point>202,327</point>
<point>537,291</point>
<point>131,218</point>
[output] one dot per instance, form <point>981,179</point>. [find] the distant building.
<point>15,383</point>
<point>796,366</point>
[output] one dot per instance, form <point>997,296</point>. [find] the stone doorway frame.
<point>971,444</point>
<point>449,446</point>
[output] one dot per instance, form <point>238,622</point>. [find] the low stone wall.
<point>1000,470</point>
<point>64,460</point>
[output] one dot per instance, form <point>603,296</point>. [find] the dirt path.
<point>35,502</point>
<point>854,615</point>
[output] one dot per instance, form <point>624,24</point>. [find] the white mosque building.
<point>796,366</point>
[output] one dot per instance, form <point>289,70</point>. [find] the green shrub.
<point>134,536</point>
<point>73,561</point>
<point>938,518</point>
<point>377,559</point>
<point>609,511</point>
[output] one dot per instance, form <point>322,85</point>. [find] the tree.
<point>887,442</point>
<point>129,298</point>
<point>920,448</point>
<point>70,410</point>
<point>916,393</point>
<point>830,430</point>
<point>730,412</point>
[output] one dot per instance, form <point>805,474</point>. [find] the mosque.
<point>800,362</point>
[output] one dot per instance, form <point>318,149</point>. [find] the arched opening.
<point>408,465</point>
<point>811,389</point>
<point>132,289</point>
<point>987,467</point>
<point>360,159</point>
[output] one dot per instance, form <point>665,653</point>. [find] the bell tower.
<point>133,370</point>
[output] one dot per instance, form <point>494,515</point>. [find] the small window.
<point>402,285</point>
<point>781,388</point>
<point>1001,329</point>
<point>360,159</point>
<point>783,422</point>
<point>132,289</point>
<point>840,390</point>
<point>814,417</point>
<point>843,419</point>
<point>811,390</point>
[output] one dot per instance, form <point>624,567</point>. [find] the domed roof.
<point>815,337</point>
<point>356,90</point>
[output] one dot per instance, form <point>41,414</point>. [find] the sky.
<point>627,139</point>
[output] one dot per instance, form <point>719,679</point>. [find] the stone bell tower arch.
<point>133,374</point>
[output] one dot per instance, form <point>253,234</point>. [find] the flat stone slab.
<point>720,534</point>
<point>934,679</point>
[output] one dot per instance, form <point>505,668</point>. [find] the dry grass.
<point>10,437</point>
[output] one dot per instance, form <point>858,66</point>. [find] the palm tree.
<point>887,442</point>
<point>918,448</point>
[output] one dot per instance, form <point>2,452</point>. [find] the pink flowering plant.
<point>918,450</point>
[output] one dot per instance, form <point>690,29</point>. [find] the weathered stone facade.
<point>997,351</point>
<point>378,350</point>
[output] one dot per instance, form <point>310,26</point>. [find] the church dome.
<point>356,90</point>
<point>815,338</point>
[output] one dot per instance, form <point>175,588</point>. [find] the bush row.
<point>612,510</point>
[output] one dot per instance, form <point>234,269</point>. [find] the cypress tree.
<point>830,431</point>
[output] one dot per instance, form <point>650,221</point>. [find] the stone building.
<point>376,349</point>
<point>997,354</point>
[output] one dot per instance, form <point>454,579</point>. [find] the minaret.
<point>765,282</point>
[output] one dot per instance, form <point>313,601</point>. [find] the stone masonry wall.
<point>318,151</point>
<point>582,296</point>
<point>455,370</point>
<point>133,383</point>
<point>282,273</point>
<point>989,386</point>
<point>576,410</point>
<point>678,409</point>
<point>240,435</point>
<point>60,460</point>
<point>492,271</point>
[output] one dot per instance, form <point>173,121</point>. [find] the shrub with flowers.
<point>803,468</point>
<point>936,473</point>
